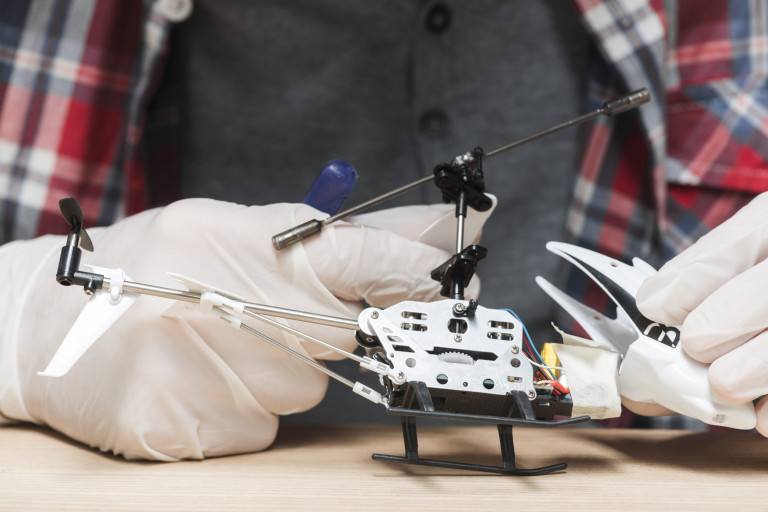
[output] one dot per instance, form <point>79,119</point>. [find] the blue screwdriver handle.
<point>332,187</point>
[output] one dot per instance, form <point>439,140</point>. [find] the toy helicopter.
<point>452,359</point>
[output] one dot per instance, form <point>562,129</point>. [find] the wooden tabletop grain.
<point>330,468</point>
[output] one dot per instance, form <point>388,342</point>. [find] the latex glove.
<point>716,291</point>
<point>170,388</point>
<point>436,224</point>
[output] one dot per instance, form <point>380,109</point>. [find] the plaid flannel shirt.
<point>76,81</point>
<point>81,114</point>
<point>653,181</point>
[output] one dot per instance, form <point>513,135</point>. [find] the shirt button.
<point>434,123</point>
<point>174,10</point>
<point>438,18</point>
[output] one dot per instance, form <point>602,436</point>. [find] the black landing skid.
<point>504,425</point>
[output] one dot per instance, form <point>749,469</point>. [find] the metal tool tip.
<point>630,101</point>
<point>296,234</point>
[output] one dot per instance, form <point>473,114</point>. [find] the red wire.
<point>531,354</point>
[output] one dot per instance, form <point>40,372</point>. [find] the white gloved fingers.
<point>442,233</point>
<point>233,243</point>
<point>728,250</point>
<point>714,290</point>
<point>761,409</point>
<point>168,388</point>
<point>350,261</point>
<point>433,224</point>
<point>20,263</point>
<point>383,268</point>
<point>406,221</point>
<point>144,391</point>
<point>342,338</point>
<point>150,388</point>
<point>731,315</point>
<point>281,383</point>
<point>741,375</point>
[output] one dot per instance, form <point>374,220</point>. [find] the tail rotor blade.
<point>85,241</point>
<point>73,214</point>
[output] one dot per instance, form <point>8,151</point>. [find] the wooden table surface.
<point>330,468</point>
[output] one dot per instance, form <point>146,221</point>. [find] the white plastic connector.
<point>366,392</point>
<point>382,369</point>
<point>210,300</point>
<point>116,281</point>
<point>232,320</point>
<point>374,366</point>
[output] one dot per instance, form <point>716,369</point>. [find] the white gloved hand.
<point>190,387</point>
<point>716,290</point>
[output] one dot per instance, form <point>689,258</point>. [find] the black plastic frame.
<point>504,425</point>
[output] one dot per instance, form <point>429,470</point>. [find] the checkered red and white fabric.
<point>75,80</point>
<point>77,77</point>
<point>652,182</point>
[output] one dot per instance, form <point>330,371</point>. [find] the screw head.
<point>457,338</point>
<point>515,349</point>
<point>400,375</point>
<point>374,314</point>
<point>458,307</point>
<point>531,394</point>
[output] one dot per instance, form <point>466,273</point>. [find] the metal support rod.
<point>457,288</point>
<point>296,234</point>
<point>457,284</point>
<point>194,297</point>
<point>609,108</point>
<point>379,199</point>
<point>305,359</point>
<point>543,133</point>
<point>357,387</point>
<point>158,291</point>
<point>461,214</point>
<point>459,233</point>
<point>301,232</point>
<point>304,316</point>
<point>348,355</point>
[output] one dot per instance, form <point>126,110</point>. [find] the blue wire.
<point>527,335</point>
